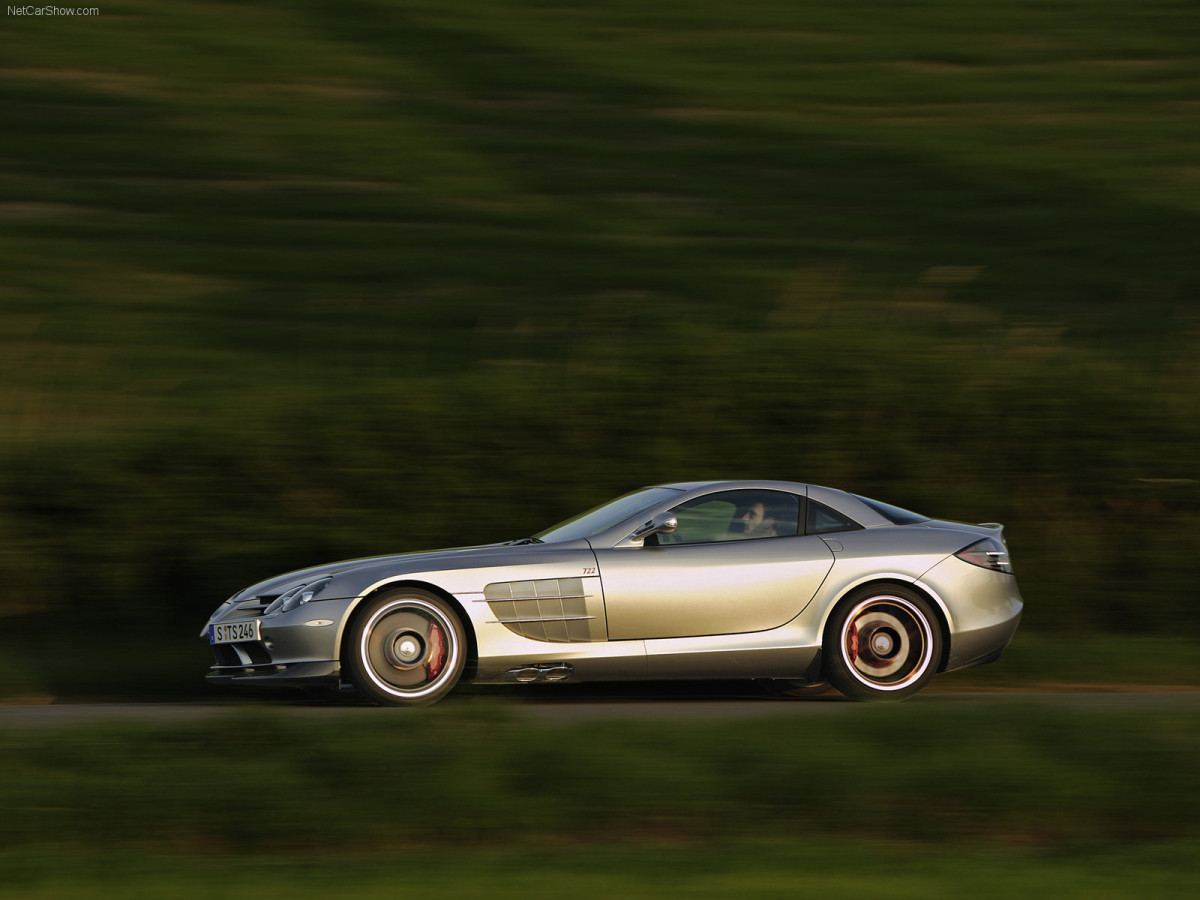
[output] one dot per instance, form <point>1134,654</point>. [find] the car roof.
<point>734,485</point>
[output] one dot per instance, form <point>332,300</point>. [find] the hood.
<point>349,574</point>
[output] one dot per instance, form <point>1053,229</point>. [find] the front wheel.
<point>406,648</point>
<point>882,644</point>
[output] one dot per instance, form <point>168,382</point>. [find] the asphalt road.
<point>583,705</point>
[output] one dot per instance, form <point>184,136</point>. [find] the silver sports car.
<point>795,583</point>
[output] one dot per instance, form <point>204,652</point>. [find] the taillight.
<point>988,553</point>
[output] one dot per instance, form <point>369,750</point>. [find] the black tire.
<point>882,643</point>
<point>406,648</point>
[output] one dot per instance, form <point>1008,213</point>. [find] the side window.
<point>823,520</point>
<point>735,516</point>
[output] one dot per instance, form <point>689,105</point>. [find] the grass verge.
<point>469,775</point>
<point>822,868</point>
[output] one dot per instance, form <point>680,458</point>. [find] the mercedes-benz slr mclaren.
<point>791,583</point>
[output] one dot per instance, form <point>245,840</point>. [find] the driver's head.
<point>752,517</point>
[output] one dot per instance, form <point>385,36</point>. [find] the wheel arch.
<point>852,592</point>
<point>472,649</point>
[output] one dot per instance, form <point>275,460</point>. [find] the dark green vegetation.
<point>940,795</point>
<point>813,869</point>
<point>467,773</point>
<point>283,282</point>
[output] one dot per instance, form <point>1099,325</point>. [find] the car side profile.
<point>794,583</point>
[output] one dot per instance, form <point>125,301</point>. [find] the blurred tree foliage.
<point>283,282</point>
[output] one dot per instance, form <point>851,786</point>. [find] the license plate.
<point>229,632</point>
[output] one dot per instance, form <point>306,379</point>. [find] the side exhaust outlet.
<point>526,674</point>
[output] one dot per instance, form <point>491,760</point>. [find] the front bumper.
<point>313,674</point>
<point>294,648</point>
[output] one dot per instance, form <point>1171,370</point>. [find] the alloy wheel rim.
<point>886,643</point>
<point>409,648</point>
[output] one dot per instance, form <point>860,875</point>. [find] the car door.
<point>736,563</point>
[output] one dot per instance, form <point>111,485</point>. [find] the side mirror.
<point>663,523</point>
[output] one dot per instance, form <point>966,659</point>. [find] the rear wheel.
<point>406,648</point>
<point>883,643</point>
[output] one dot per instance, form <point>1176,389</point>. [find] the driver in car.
<point>755,522</point>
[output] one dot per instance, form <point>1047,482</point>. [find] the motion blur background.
<point>285,282</point>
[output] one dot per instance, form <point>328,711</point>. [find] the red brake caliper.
<point>854,643</point>
<point>437,651</point>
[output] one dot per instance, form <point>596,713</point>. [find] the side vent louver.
<point>549,609</point>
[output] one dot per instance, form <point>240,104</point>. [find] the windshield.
<point>606,515</point>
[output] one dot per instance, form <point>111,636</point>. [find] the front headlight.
<point>297,596</point>
<point>304,594</point>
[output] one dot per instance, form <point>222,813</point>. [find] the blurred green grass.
<point>301,281</point>
<point>817,869</point>
<point>471,776</point>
